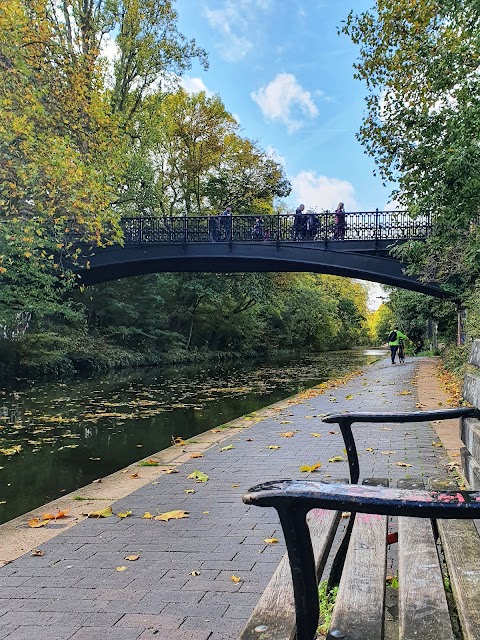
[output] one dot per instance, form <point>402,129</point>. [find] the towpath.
<point>181,586</point>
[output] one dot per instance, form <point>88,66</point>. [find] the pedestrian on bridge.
<point>226,223</point>
<point>340,221</point>
<point>299,223</point>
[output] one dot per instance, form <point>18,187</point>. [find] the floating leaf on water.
<point>198,476</point>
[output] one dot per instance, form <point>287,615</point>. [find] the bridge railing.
<point>312,227</point>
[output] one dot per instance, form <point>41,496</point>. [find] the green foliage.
<point>326,601</point>
<point>419,61</point>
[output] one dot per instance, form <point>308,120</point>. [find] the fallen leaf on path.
<point>271,540</point>
<point>287,434</point>
<point>336,459</point>
<point>311,468</point>
<point>134,475</point>
<point>403,464</point>
<point>172,515</point>
<point>196,455</point>
<point>194,573</point>
<point>345,514</point>
<point>369,449</point>
<point>334,433</point>
<point>149,463</point>
<point>386,429</point>
<point>285,422</point>
<point>169,471</point>
<point>37,552</point>
<point>124,514</point>
<point>102,513</point>
<point>316,435</point>
<point>273,446</point>
<point>437,444</point>
<point>179,442</point>
<point>235,579</point>
<point>120,568</point>
<point>147,515</point>
<point>234,486</point>
<point>57,516</point>
<point>132,558</point>
<point>227,448</point>
<point>189,491</point>
<point>405,392</point>
<point>36,522</point>
<point>198,476</point>
<point>349,397</point>
<point>387,453</point>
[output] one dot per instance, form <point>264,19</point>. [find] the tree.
<point>419,61</point>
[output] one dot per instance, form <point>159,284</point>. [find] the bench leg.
<point>302,564</point>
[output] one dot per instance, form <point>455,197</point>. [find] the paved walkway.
<point>180,587</point>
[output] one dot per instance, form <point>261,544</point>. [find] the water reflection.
<point>57,437</point>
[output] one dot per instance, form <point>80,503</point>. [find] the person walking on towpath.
<point>394,339</point>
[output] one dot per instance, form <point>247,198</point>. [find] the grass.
<point>326,600</point>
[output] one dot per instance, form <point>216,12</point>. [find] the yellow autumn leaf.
<point>198,476</point>
<point>147,515</point>
<point>287,434</point>
<point>172,515</point>
<point>120,568</point>
<point>387,453</point>
<point>134,475</point>
<point>273,446</point>
<point>349,397</point>
<point>36,522</point>
<point>310,469</point>
<point>316,435</point>
<point>336,459</point>
<point>180,442</point>
<point>102,513</point>
<point>196,455</point>
<point>37,552</point>
<point>227,448</point>
<point>271,540</point>
<point>124,514</point>
<point>235,579</point>
<point>189,491</point>
<point>403,464</point>
<point>132,558</point>
<point>286,422</point>
<point>369,449</point>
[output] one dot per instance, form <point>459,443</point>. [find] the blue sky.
<point>281,68</point>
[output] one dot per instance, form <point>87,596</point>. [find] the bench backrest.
<point>470,427</point>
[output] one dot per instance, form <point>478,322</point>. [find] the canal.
<point>57,437</point>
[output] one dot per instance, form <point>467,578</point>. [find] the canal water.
<point>57,437</point>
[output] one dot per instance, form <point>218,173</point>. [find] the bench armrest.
<point>345,421</point>
<point>404,416</point>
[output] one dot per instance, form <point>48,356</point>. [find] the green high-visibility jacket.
<point>400,336</point>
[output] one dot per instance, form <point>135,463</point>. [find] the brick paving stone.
<point>74,589</point>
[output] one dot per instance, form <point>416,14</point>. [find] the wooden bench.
<point>438,545</point>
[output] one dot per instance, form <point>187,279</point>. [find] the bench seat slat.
<point>359,606</point>
<point>423,608</point>
<point>276,609</point>
<point>461,545</point>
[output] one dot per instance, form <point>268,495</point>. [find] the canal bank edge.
<point>17,538</point>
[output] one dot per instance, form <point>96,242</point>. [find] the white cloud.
<point>285,100</point>
<point>320,192</point>
<point>233,20</point>
<point>195,85</point>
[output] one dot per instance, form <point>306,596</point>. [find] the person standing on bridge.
<point>394,339</point>
<point>226,223</point>
<point>340,221</point>
<point>299,223</point>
